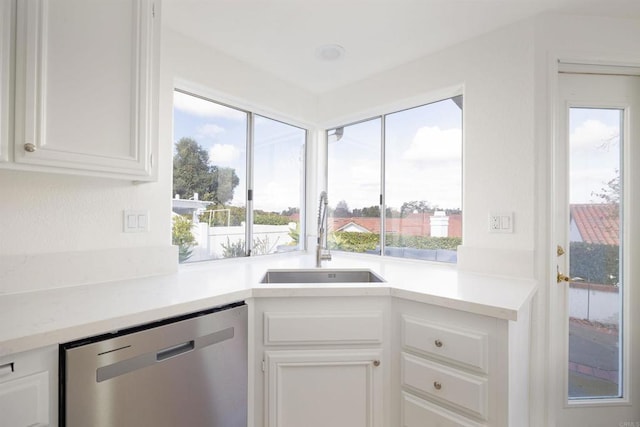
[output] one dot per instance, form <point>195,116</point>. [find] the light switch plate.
<point>501,222</point>
<point>135,221</point>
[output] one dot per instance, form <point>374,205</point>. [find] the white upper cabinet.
<point>5,60</point>
<point>86,86</point>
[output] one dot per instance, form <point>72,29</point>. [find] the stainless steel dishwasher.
<point>187,371</point>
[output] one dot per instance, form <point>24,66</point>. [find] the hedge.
<point>595,263</point>
<point>360,242</point>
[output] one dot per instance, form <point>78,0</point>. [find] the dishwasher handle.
<point>175,350</point>
<point>122,367</point>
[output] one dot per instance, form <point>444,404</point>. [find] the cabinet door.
<point>85,77</point>
<point>320,388</point>
<point>5,59</point>
<point>28,388</point>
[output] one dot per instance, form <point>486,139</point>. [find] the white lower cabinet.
<point>320,362</point>
<point>319,388</point>
<point>385,362</point>
<point>28,388</point>
<point>417,412</point>
<point>458,368</point>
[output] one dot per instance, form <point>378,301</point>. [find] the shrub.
<point>352,241</point>
<point>182,237</point>
<point>269,218</point>
<point>423,242</point>
<point>233,250</point>
<point>595,263</point>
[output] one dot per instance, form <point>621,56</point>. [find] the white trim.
<point>238,103</point>
<point>396,106</point>
<point>547,237</point>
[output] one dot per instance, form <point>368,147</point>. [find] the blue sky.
<point>222,131</point>
<point>423,159</point>
<point>594,146</point>
<point>423,155</point>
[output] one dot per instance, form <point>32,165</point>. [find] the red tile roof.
<point>597,223</point>
<point>412,225</point>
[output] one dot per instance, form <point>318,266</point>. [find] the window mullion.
<point>249,196</point>
<point>383,214</point>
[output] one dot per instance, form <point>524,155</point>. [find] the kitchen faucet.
<point>321,255</point>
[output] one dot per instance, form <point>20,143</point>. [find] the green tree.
<point>223,182</point>
<point>192,173</point>
<point>611,192</point>
<point>421,206</point>
<point>342,210</point>
<point>190,168</point>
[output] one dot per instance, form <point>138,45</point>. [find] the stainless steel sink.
<point>321,275</point>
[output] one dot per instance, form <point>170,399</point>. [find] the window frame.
<point>252,111</point>
<point>381,113</point>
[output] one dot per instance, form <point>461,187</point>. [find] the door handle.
<point>562,278</point>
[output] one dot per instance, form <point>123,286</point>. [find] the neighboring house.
<point>193,207</point>
<point>416,224</point>
<point>595,223</point>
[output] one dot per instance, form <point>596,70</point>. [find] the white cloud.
<point>595,159</point>
<point>439,185</point>
<point>203,108</point>
<point>223,154</point>
<point>432,144</point>
<point>275,196</point>
<point>592,134</point>
<point>210,130</point>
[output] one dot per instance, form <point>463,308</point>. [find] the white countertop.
<point>36,319</point>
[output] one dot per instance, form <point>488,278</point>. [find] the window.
<point>353,187</point>
<point>231,168</point>
<point>395,182</point>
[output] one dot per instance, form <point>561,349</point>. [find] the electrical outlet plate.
<point>135,221</point>
<point>501,222</point>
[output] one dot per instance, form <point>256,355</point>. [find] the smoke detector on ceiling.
<point>330,52</point>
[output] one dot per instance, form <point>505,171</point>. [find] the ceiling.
<point>283,36</point>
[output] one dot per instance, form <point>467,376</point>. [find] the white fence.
<point>266,239</point>
<point>596,303</point>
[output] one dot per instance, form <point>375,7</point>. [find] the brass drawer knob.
<point>376,363</point>
<point>437,385</point>
<point>29,147</point>
<point>438,343</point>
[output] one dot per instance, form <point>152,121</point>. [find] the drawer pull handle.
<point>376,363</point>
<point>438,343</point>
<point>29,147</point>
<point>6,369</point>
<point>437,385</point>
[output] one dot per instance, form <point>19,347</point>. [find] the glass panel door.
<point>595,297</point>
<point>595,355</point>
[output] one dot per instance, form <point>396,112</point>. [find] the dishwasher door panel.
<point>189,373</point>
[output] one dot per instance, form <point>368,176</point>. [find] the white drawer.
<point>468,348</point>
<point>449,385</point>
<point>418,412</point>
<point>322,328</point>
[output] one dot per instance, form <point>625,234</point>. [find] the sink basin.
<point>321,275</point>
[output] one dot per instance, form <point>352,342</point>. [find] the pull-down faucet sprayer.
<point>321,255</point>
